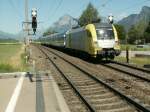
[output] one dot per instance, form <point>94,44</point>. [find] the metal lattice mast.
<point>27,20</point>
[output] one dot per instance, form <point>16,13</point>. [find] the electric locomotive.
<point>99,40</point>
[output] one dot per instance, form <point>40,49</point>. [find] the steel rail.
<point>127,72</point>
<point>128,99</point>
<point>92,109</point>
<point>131,66</point>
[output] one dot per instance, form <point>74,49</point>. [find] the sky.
<point>49,11</point>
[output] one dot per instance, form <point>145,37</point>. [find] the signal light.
<point>110,18</point>
<point>34,12</point>
<point>34,20</point>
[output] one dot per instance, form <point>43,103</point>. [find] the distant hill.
<point>8,40</point>
<point>4,35</point>
<point>64,23</point>
<point>21,34</point>
<point>140,19</point>
<point>7,37</point>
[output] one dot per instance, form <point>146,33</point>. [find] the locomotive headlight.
<point>117,45</point>
<point>95,44</point>
<point>117,42</point>
<point>101,31</point>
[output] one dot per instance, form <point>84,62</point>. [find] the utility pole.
<point>26,30</point>
<point>127,48</point>
<point>26,24</point>
<point>70,22</point>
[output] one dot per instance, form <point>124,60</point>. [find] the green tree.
<point>141,29</point>
<point>89,15</point>
<point>147,34</point>
<point>132,35</point>
<point>121,31</point>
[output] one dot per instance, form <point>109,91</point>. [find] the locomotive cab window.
<point>103,34</point>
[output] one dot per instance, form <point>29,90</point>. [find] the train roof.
<point>97,25</point>
<point>55,34</point>
<point>103,25</point>
<point>77,29</point>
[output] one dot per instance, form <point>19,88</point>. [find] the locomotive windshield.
<point>103,34</point>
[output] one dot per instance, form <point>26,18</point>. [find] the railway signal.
<point>34,19</point>
<point>110,18</point>
<point>33,22</point>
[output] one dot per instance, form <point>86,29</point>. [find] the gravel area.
<point>43,64</point>
<point>131,86</point>
<point>100,97</point>
<point>130,70</point>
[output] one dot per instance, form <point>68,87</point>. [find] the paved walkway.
<point>18,94</point>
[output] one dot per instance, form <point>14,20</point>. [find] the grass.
<point>12,58</point>
<point>7,51</point>
<point>23,61</point>
<point>6,68</point>
<point>8,41</point>
<point>134,60</point>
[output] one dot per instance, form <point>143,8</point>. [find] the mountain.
<point>21,35</point>
<point>137,19</point>
<point>7,37</point>
<point>64,23</point>
<point>4,35</point>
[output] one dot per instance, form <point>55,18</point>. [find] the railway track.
<point>132,66</point>
<point>129,70</point>
<point>95,93</point>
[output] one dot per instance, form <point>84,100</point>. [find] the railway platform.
<point>19,94</point>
